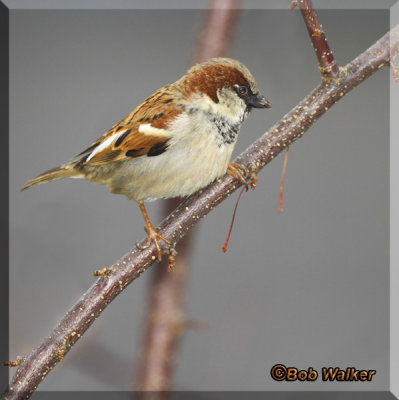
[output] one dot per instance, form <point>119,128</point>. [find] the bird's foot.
<point>237,171</point>
<point>240,173</point>
<point>153,237</point>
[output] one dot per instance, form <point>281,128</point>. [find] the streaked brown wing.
<point>142,132</point>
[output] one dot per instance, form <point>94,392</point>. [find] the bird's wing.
<point>143,132</point>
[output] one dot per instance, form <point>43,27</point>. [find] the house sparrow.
<point>177,141</point>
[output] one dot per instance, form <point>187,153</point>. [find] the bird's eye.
<point>242,90</point>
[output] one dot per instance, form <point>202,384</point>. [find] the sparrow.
<point>174,143</point>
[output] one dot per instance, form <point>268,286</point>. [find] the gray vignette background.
<point>309,287</point>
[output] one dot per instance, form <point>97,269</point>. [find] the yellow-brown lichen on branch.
<point>101,272</point>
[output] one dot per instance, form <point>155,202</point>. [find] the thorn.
<point>101,272</point>
<point>292,5</point>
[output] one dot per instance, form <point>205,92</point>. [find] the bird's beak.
<point>258,101</point>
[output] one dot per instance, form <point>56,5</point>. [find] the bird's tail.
<point>63,171</point>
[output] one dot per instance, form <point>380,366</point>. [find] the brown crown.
<point>210,78</point>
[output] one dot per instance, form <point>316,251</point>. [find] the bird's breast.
<point>199,152</point>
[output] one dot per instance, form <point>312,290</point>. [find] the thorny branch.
<point>128,268</point>
<point>165,316</point>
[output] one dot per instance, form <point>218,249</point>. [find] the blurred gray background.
<point>309,287</point>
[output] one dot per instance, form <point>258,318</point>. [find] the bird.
<point>177,141</point>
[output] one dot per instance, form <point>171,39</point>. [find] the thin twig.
<point>290,128</point>
<point>165,317</point>
<point>327,64</point>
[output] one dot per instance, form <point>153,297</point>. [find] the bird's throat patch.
<point>227,132</point>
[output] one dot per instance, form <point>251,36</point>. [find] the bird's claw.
<point>153,237</point>
<point>239,172</point>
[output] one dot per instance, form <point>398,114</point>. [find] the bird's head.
<point>223,86</point>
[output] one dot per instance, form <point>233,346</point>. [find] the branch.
<point>325,58</point>
<point>165,317</point>
<point>165,323</point>
<point>215,37</point>
<point>128,268</point>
